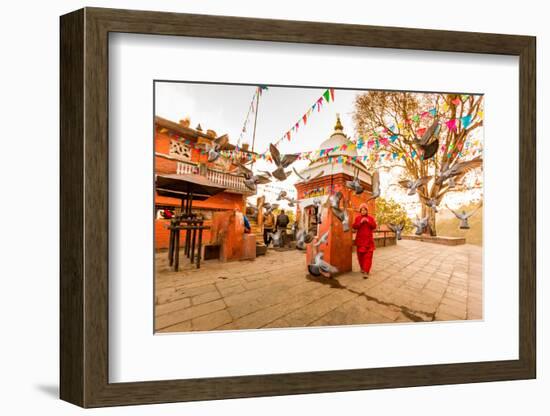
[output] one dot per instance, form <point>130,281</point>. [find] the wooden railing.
<point>227,180</point>
<point>186,168</point>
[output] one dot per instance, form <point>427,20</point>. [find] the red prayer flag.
<point>451,124</point>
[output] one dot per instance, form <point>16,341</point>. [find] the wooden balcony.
<point>232,182</point>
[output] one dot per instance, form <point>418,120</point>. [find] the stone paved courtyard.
<point>412,281</point>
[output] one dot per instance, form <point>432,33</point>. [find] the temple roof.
<point>338,138</point>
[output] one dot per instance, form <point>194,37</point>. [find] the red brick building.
<point>179,149</point>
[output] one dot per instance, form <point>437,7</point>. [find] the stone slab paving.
<point>410,282</point>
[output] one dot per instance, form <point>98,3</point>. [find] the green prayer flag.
<point>326,94</point>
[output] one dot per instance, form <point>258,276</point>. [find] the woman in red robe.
<point>364,240</point>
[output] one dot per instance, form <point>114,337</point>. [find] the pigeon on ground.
<point>307,178</point>
<point>420,224</point>
<point>397,229</point>
<point>412,186</point>
<point>277,238</point>
<point>319,266</point>
<point>281,162</point>
<point>463,217</point>
<point>354,184</point>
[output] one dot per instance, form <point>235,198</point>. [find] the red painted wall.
<point>220,202</point>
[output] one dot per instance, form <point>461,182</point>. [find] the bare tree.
<point>405,117</point>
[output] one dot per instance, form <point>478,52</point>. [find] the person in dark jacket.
<point>364,240</point>
<point>282,223</point>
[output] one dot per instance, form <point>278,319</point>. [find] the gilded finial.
<point>338,125</point>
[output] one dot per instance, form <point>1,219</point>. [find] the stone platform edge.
<point>447,241</point>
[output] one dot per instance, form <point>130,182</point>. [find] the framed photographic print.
<point>255,207</point>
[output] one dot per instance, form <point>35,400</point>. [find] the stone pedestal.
<point>249,247</point>
<point>228,232</point>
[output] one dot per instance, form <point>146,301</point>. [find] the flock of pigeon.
<point>427,145</point>
<point>448,176</point>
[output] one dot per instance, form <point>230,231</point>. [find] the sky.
<point>223,108</point>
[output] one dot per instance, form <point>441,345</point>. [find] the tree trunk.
<point>431,222</point>
<point>431,229</point>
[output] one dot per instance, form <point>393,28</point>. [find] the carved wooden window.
<point>180,150</point>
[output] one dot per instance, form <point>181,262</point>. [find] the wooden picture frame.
<point>84,207</point>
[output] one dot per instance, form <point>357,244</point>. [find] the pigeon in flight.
<point>284,195</point>
<point>463,217</point>
<point>303,238</point>
<point>432,202</point>
<point>254,180</point>
<point>420,224</point>
<point>213,149</point>
<point>340,213</point>
<point>457,171</point>
<point>397,229</point>
<point>318,209</point>
<point>322,240</point>
<point>307,178</point>
<point>281,162</point>
<point>412,186</point>
<point>252,208</point>
<point>320,266</point>
<point>291,202</point>
<point>429,148</point>
<point>251,180</point>
<point>354,184</point>
<point>375,186</point>
<point>269,208</point>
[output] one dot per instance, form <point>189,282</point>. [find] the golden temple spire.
<point>338,126</point>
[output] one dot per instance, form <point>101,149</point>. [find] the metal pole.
<point>177,251</point>
<point>255,121</point>
<point>200,247</point>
